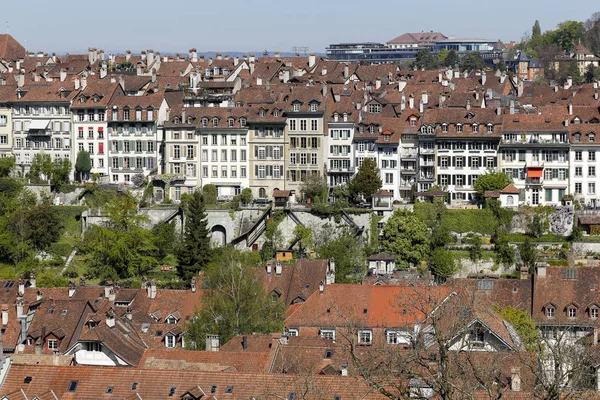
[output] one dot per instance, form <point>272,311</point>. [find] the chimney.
<point>502,77</point>
<point>277,54</point>
<point>346,71</point>
<point>269,267</point>
<point>212,342</point>
<point>468,104</point>
<point>324,70</point>
<point>324,89</point>
<point>128,55</point>
<point>523,273</point>
<point>286,76</point>
<point>91,55</point>
<point>483,78</point>
<point>150,57</point>
<point>569,83</point>
<point>252,59</point>
<point>330,274</point>
<point>32,279</point>
<point>440,77</point>
<point>512,107</point>
<point>39,296</point>
<point>76,83</point>
<point>456,74</point>
<point>19,308</point>
<point>139,70</point>
<point>110,318</point>
<point>425,97</point>
<point>128,314</point>
<point>71,289</point>
<point>344,368</point>
<point>236,61</point>
<point>283,339</point>
<point>83,81</point>
<point>566,121</point>
<point>244,342</point>
<point>21,285</point>
<point>595,95</point>
<point>377,83</point>
<point>321,287</point>
<point>153,75</point>
<point>101,55</point>
<point>570,108</point>
<point>152,289</point>
<point>515,379</point>
<point>4,314</point>
<point>193,284</point>
<point>421,106</point>
<point>219,56</point>
<point>103,70</point>
<point>193,55</point>
<point>107,289</point>
<point>278,268</point>
<point>411,102</point>
<point>541,269</point>
<point>498,110</point>
<point>311,60</point>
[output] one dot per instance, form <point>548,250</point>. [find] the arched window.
<point>510,201</point>
<point>215,121</point>
<point>262,193</point>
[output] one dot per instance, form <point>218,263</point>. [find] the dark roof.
<point>382,257</point>
<point>589,219</point>
<point>491,194</point>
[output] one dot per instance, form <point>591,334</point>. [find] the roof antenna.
<point>7,27</point>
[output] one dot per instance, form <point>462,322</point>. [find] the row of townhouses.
<point>268,123</point>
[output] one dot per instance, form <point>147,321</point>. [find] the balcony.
<point>534,181</point>
<point>406,185</point>
<point>426,164</point>
<point>423,150</point>
<point>408,171</point>
<point>426,177</point>
<point>411,155</point>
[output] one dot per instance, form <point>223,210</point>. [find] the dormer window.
<point>204,122</point>
<point>577,137</point>
<point>413,121</point>
<point>371,128</point>
<point>444,127</point>
<point>296,106</point>
<point>336,117</point>
<point>262,113</point>
<point>215,121</point>
<point>190,120</point>
<point>490,128</point>
<point>345,117</point>
<point>459,128</point>
<point>576,120</point>
<point>242,122</point>
<point>230,122</point>
<point>594,312</point>
<point>475,128</point>
<point>171,320</point>
<point>592,137</point>
<point>276,113</point>
<point>313,107</point>
<point>126,114</point>
<point>571,312</point>
<point>170,341</point>
<point>176,121</point>
<point>549,312</point>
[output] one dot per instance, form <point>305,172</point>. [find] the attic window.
<point>475,128</point>
<point>159,333</point>
<point>190,120</point>
<point>313,107</point>
<point>365,311</point>
<point>176,120</point>
<point>171,320</point>
<point>569,273</point>
<point>549,312</point>
<point>571,312</point>
<point>64,312</point>
<point>242,122</point>
<point>27,379</point>
<point>134,385</point>
<point>262,113</point>
<point>110,389</point>
<point>374,108</point>
<point>276,113</point>
<point>296,106</point>
<point>213,389</point>
<point>204,122</point>
<point>490,128</point>
<point>215,121</point>
<point>72,386</point>
<point>328,354</point>
<point>592,137</point>
<point>51,310</point>
<point>229,389</point>
<point>172,391</point>
<point>577,137</point>
<point>458,128</point>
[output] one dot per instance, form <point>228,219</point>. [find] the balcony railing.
<point>534,181</point>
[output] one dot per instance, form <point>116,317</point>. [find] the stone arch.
<point>218,236</point>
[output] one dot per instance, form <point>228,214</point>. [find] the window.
<point>176,151</point>
<point>592,138</point>
<point>458,128</point>
<point>374,108</point>
<point>296,106</point>
<point>328,334</point>
<point>572,312</point>
<point>591,171</point>
<point>594,313</point>
<point>550,312</point>
<point>215,122</point>
<point>292,124</point>
<point>577,137</point>
<point>578,156</point>
<point>397,337</point>
<point>214,140</point>
<point>313,107</point>
<point>72,386</point>
<point>578,187</point>
<point>578,171</point>
<point>313,124</point>
<point>476,337</point>
<point>126,115</point>
<point>52,344</point>
<point>592,188</point>
<point>365,337</point>
<point>302,124</point>
<point>170,341</point>
<point>592,155</point>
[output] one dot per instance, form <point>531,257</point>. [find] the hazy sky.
<point>256,25</point>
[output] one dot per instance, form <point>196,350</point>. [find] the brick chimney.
<point>311,60</point>
<point>4,314</point>
<point>32,279</point>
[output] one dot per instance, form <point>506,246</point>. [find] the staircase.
<point>252,234</point>
<point>358,231</point>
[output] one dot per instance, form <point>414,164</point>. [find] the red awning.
<point>535,172</point>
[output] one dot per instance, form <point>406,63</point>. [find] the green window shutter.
<point>555,173</point>
<point>144,161</point>
<point>145,146</point>
<point>132,164</point>
<point>120,162</point>
<point>522,195</point>
<point>120,144</point>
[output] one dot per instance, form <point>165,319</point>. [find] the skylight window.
<point>72,386</point>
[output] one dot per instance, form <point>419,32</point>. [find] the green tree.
<point>349,258</point>
<point>314,187</point>
<point>440,236</point>
<point>524,325</point>
<point>424,59</point>
<point>569,33</point>
<point>44,226</point>
<point>61,169</point>
<point>236,303</point>
<point>442,263</point>
<point>491,181</point>
<point>210,194</point>
<point>406,236</point>
<point>452,59</point>
<point>246,196</point>
<point>441,57</point>
<point>536,31</point>
<point>83,165</point>
<point>195,251</point>
<point>472,61</point>
<point>590,74</point>
<point>537,226</point>
<point>528,254</point>
<point>504,252</point>
<point>304,237</point>
<point>592,33</point>
<point>7,164</point>
<point>41,167</point>
<point>164,239</point>
<point>367,180</point>
<point>475,249</point>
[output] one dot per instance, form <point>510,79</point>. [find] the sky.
<point>259,25</point>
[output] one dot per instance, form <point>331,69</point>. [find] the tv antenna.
<point>300,50</point>
<point>7,27</point>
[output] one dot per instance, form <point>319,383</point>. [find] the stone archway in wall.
<point>218,236</point>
